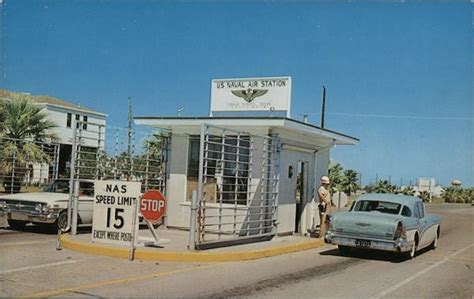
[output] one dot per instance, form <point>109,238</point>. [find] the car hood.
<point>365,224</point>
<point>43,197</point>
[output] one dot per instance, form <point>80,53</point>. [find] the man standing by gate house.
<point>324,204</point>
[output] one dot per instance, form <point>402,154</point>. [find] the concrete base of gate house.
<point>176,250</point>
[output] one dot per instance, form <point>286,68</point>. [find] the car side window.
<point>406,211</point>
<point>416,212</point>
<point>352,206</point>
<point>421,210</point>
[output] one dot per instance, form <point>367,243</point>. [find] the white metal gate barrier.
<point>28,164</point>
<point>102,152</point>
<point>237,198</point>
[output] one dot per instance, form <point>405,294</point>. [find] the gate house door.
<point>237,188</point>
<point>300,193</point>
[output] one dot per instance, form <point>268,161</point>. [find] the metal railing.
<point>27,163</point>
<point>237,186</point>
<point>113,153</point>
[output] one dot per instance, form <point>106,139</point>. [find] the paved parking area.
<point>27,258</point>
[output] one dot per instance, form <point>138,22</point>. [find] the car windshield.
<point>377,206</point>
<point>58,187</point>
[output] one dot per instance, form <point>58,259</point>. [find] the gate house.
<point>301,157</point>
<point>253,167</point>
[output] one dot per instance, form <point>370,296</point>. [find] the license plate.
<point>362,243</point>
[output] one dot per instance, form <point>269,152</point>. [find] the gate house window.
<point>226,168</point>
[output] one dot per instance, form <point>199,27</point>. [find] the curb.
<point>171,256</point>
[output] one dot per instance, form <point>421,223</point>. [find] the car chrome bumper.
<point>48,218</point>
<point>399,245</point>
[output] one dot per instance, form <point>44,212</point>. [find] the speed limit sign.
<point>114,210</point>
<point>152,205</point>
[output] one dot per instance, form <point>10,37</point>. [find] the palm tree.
<point>449,194</point>
<point>349,181</point>
<point>21,119</point>
<point>425,196</point>
<point>384,187</point>
<point>335,176</point>
<point>22,125</point>
<point>408,191</point>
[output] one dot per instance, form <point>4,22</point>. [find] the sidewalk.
<point>176,250</point>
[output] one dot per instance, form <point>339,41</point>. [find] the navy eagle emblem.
<point>249,94</point>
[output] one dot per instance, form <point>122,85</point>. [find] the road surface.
<point>30,265</point>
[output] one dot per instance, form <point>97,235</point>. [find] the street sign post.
<point>153,205</point>
<point>152,208</point>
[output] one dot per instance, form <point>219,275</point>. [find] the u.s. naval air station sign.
<point>251,94</point>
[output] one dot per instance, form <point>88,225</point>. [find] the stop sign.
<point>152,205</point>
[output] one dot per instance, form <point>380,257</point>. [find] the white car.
<point>48,207</point>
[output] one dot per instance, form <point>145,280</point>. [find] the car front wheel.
<point>61,222</point>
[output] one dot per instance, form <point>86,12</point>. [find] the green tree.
<point>384,187</point>
<point>449,194</point>
<point>349,181</point>
<point>458,195</point>
<point>408,191</point>
<point>335,173</point>
<point>22,126</point>
<point>21,119</point>
<point>425,196</point>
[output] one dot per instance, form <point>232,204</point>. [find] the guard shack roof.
<point>291,132</point>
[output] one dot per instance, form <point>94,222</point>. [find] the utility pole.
<point>129,149</point>
<point>129,128</point>
<point>323,108</point>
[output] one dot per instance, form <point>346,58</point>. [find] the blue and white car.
<point>388,222</point>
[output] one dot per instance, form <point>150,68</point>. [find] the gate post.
<point>275,193</point>
<point>193,222</point>
<point>13,174</point>
<point>201,178</point>
<point>75,206</point>
<point>71,178</point>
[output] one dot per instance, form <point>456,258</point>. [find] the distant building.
<point>63,114</point>
<point>428,185</point>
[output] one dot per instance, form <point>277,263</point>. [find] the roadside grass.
<point>437,200</point>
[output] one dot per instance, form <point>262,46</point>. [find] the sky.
<point>399,75</point>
